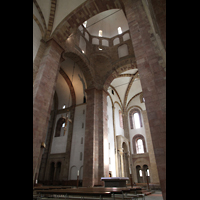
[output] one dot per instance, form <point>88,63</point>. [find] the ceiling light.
<point>100,49</point>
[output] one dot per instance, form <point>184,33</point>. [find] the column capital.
<point>121,151</point>
<point>52,41</point>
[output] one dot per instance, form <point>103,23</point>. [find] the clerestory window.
<point>119,30</point>
<point>139,146</point>
<point>100,33</point>
<point>135,119</point>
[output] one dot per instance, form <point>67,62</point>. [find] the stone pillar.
<point>38,57</point>
<point>43,92</point>
<point>115,142</point>
<point>95,164</point>
<point>143,175</point>
<point>122,161</point>
<point>153,166</point>
<point>153,80</point>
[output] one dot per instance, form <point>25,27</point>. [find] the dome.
<point>108,22</point>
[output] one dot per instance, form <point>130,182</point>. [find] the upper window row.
<point>135,119</point>
<point>119,29</point>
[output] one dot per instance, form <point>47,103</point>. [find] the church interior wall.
<point>119,130</point>
<point>111,139</point>
<point>115,48</point>
<point>133,132</point>
<point>63,92</point>
<point>78,81</point>
<point>59,143</point>
<point>77,149</point>
<point>36,38</point>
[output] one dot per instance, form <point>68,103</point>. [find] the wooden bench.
<point>87,193</point>
<point>75,192</point>
<point>50,187</point>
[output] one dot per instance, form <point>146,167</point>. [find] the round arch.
<point>83,64</point>
<point>69,83</point>
<point>83,12</point>
<point>119,67</point>
<point>134,140</point>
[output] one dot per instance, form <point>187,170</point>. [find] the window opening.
<point>100,33</point>
<point>139,146</point>
<point>63,125</point>
<point>148,172</point>
<point>64,106</point>
<point>136,120</point>
<point>119,30</point>
<point>140,172</point>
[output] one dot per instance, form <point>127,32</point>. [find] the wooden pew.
<point>80,192</point>
<point>85,192</point>
<point>50,187</point>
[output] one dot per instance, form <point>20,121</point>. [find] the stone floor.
<point>157,195</point>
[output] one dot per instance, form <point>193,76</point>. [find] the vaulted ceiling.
<point>49,13</point>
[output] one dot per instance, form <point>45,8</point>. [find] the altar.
<point>115,181</point>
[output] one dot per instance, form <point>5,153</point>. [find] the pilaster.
<point>43,92</point>
<point>153,80</point>
<point>95,164</point>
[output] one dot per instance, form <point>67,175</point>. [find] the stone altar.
<point>115,181</point>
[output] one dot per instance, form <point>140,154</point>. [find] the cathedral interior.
<point>99,91</point>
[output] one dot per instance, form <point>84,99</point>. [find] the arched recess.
<point>51,171</point>
<point>85,11</point>
<point>73,95</point>
<point>131,113</point>
<point>73,173</point>
<point>119,67</point>
<point>58,126</point>
<point>134,140</point>
<point>83,65</point>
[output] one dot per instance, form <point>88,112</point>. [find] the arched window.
<point>59,124</point>
<point>135,119</point>
<point>140,173</point>
<point>139,146</point>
